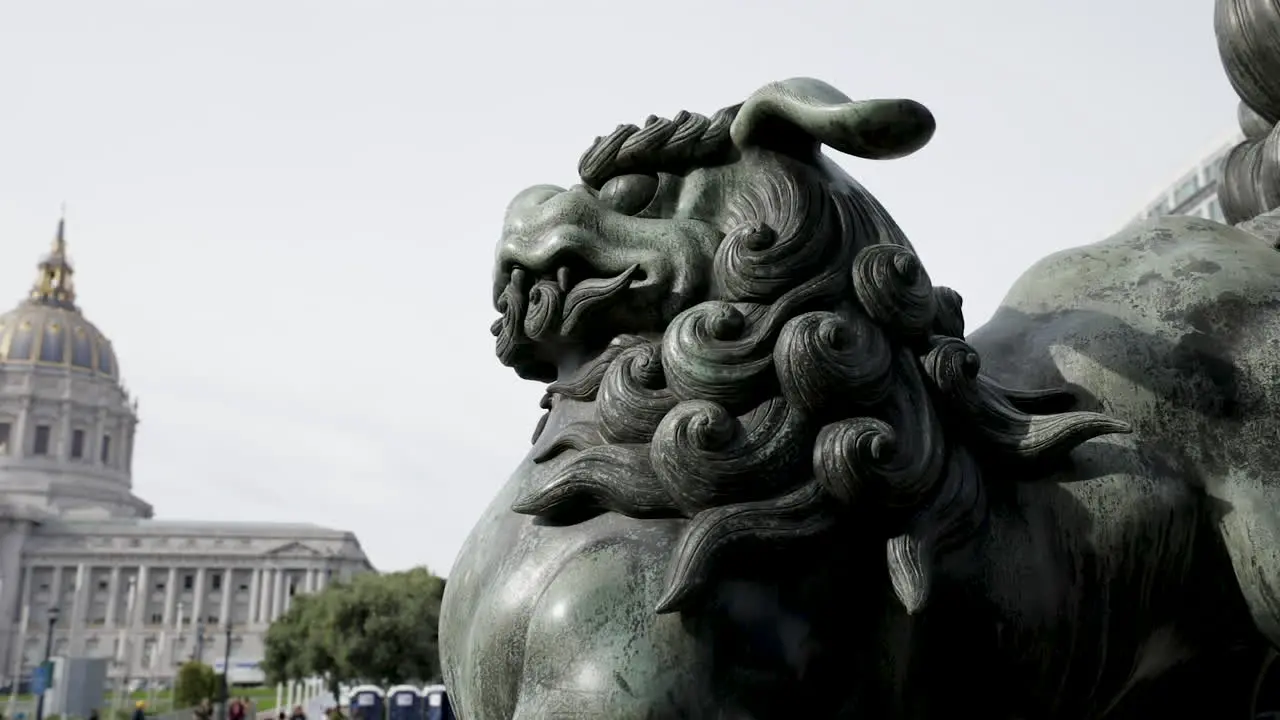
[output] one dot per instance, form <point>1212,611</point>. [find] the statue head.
<point>765,353</point>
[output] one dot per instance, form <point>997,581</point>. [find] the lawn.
<point>161,701</point>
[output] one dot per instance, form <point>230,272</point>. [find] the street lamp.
<point>226,674</point>
<point>44,666</point>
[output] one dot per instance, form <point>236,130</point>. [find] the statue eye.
<point>629,194</point>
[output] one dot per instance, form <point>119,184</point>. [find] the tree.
<point>195,682</point>
<point>376,628</point>
<point>388,627</point>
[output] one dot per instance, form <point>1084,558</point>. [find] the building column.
<point>79,608</point>
<point>126,444</point>
<point>264,597</point>
<point>228,589</point>
<point>287,600</point>
<point>285,580</point>
<point>55,588</point>
<point>197,597</point>
<point>13,584</point>
<point>62,448</point>
<point>113,596</point>
<point>99,429</point>
<point>20,430</point>
<point>133,636</point>
<point>141,592</point>
<point>28,579</point>
<point>18,648</point>
<point>170,596</point>
<point>277,580</point>
<point>255,583</point>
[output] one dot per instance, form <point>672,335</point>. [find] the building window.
<point>244,587</point>
<point>106,449</point>
<point>1215,168</point>
<point>77,444</point>
<point>157,618</point>
<point>215,582</point>
<point>103,584</point>
<point>188,582</point>
<point>1185,190</point>
<point>6,431</point>
<point>160,585</point>
<point>41,444</point>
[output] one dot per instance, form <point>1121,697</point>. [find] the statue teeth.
<point>562,277</point>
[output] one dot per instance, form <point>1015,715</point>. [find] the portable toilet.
<point>404,702</point>
<point>367,702</point>
<point>436,700</point>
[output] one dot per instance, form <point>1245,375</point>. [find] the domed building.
<point>77,544</point>
<point>66,422</point>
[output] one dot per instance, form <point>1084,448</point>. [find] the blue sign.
<point>40,678</point>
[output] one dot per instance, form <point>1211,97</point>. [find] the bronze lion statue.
<point>775,479</point>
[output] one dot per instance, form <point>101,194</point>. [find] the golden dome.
<point>47,329</point>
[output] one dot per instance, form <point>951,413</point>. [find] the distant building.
<point>1195,192</point>
<point>146,594</point>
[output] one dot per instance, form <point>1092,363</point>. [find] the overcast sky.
<point>283,212</point>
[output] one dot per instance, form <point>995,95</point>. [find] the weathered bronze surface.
<point>776,480</point>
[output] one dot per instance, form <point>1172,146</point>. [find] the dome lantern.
<point>47,328</point>
<point>54,281</point>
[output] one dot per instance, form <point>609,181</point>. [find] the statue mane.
<point>684,141</point>
<point>825,376</point>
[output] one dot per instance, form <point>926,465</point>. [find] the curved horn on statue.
<point>801,114</point>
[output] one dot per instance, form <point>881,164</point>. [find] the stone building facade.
<point>74,539</point>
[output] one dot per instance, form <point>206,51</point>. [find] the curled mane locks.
<point>704,456</point>
<point>828,362</point>
<point>899,455</point>
<point>711,352</point>
<point>782,232</point>
<point>633,395</point>
<point>895,290</point>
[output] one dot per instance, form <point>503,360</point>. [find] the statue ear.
<point>803,113</point>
